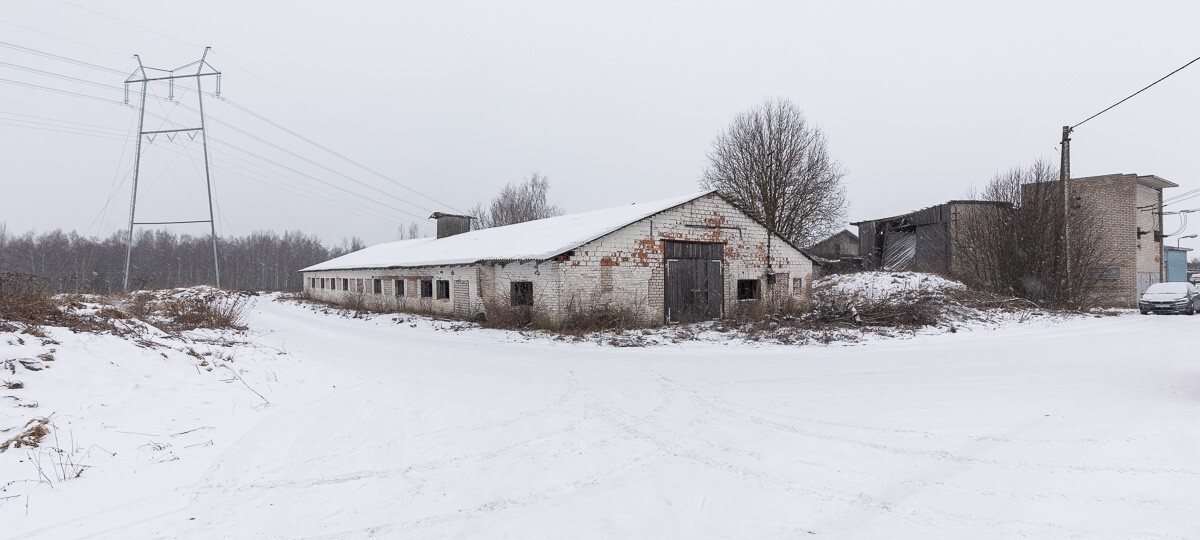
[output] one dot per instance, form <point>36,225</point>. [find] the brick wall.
<point>1117,199</point>
<point>410,301</point>
<point>1149,251</point>
<point>1112,201</point>
<point>627,267</point>
<point>624,269</point>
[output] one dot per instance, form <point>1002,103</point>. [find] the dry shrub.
<point>215,310</point>
<point>600,318</point>
<point>502,314</point>
<point>906,309</point>
<point>27,299</point>
<point>30,436</point>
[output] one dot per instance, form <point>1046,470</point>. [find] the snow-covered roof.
<point>536,240</point>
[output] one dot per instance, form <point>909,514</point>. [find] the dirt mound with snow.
<point>886,285</point>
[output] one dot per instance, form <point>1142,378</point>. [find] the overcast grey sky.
<point>616,102</point>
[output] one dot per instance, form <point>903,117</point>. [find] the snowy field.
<point>1081,428</point>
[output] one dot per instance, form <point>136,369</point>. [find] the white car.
<point>1173,297</point>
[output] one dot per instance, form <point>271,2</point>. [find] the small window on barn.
<point>377,286</point>
<point>443,289</point>
<point>747,289</point>
<point>399,289</point>
<point>798,286</point>
<point>345,284</point>
<point>522,293</point>
<point>426,288</point>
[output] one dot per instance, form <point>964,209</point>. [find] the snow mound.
<point>877,286</point>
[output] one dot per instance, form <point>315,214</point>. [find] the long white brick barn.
<point>687,258</point>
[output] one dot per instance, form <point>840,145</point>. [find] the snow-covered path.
<point>1087,429</point>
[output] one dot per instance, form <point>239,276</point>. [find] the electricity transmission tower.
<point>141,75</point>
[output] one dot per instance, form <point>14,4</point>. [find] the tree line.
<point>69,262</point>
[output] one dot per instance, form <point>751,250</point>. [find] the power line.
<point>1138,92</point>
<point>111,132</point>
<point>59,76</point>
<point>331,151</point>
<point>45,54</point>
<point>96,126</point>
<point>69,131</point>
<point>311,177</point>
<point>336,121</point>
<point>110,51</point>
<point>308,160</point>
<point>123,21</point>
<point>60,91</point>
<point>247,111</point>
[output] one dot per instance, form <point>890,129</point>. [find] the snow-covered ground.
<point>1077,428</point>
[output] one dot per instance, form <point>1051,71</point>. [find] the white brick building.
<point>686,258</point>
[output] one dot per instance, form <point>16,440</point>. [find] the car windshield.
<point>1168,288</point>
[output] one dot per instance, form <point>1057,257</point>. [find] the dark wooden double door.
<point>695,281</point>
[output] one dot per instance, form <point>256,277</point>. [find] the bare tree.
<point>516,203</point>
<point>409,232</point>
<point>262,260</point>
<point>775,165</point>
<point>1019,252</point>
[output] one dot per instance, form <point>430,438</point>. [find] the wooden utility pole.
<point>1064,175</point>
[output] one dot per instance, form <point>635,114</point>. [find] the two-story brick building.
<point>687,258</point>
<point>1128,209</point>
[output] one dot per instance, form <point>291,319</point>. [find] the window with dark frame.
<point>377,286</point>
<point>1107,272</point>
<point>443,289</point>
<point>747,289</point>
<point>426,288</point>
<point>399,288</point>
<point>522,293</point>
<point>345,284</point>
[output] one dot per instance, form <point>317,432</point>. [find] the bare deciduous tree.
<point>409,232</point>
<point>1020,252</point>
<point>776,165</point>
<point>516,203</point>
<point>69,262</point>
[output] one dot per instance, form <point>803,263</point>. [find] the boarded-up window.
<point>359,284</point>
<point>798,286</point>
<point>606,279</point>
<point>426,288</point>
<point>377,286</point>
<point>747,289</point>
<point>522,293</point>
<point>399,290</point>
<point>443,289</point>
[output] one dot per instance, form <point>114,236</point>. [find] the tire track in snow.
<point>756,417</point>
